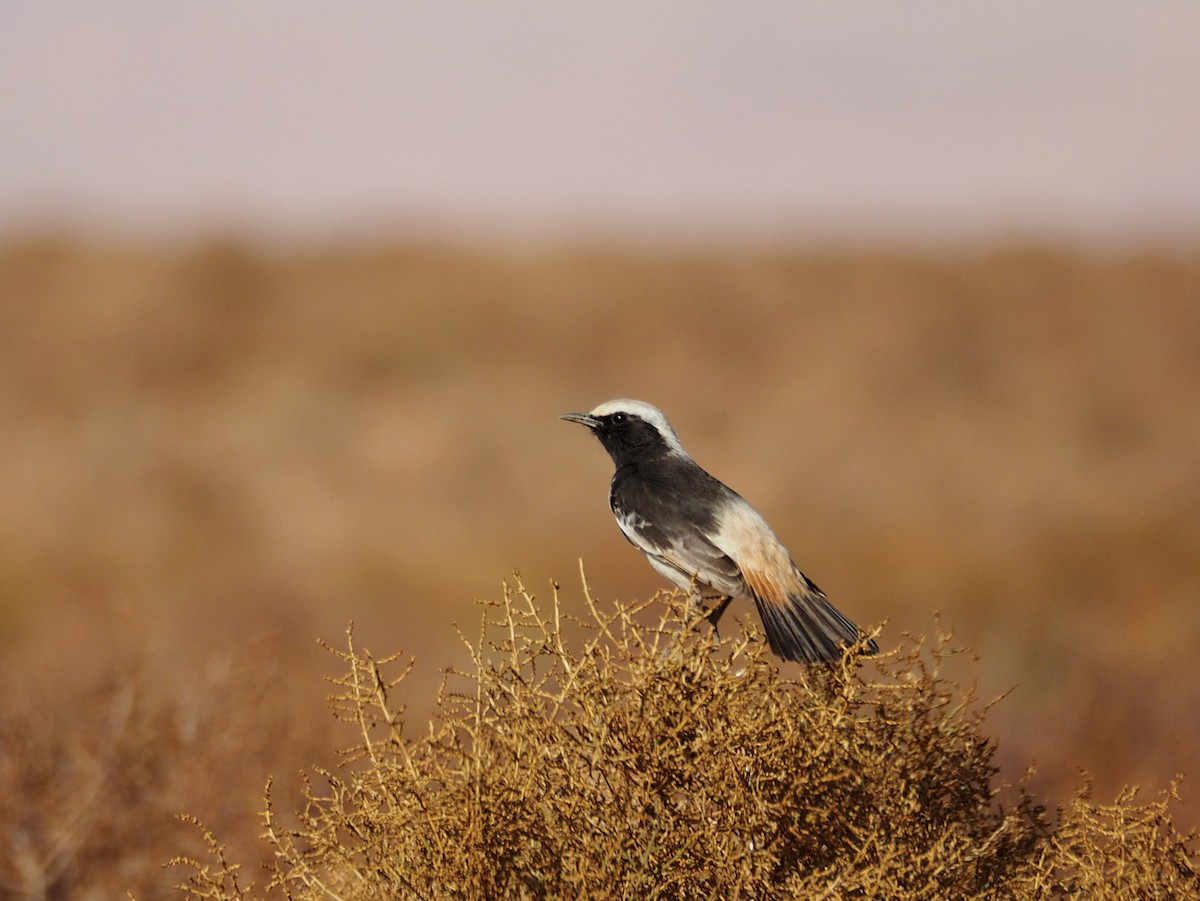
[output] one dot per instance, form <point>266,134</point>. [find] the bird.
<point>707,539</point>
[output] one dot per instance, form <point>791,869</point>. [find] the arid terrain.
<point>212,456</point>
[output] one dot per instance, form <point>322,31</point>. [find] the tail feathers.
<point>807,628</point>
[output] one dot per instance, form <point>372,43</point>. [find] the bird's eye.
<point>618,418</point>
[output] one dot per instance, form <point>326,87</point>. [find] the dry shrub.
<point>92,780</point>
<point>1119,850</point>
<point>657,763</point>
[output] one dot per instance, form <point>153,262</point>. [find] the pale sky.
<point>873,118</point>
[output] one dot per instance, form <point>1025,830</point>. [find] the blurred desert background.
<point>273,387</point>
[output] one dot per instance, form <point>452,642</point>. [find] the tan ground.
<point>211,456</point>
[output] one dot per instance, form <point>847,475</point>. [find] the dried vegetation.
<point>654,762</point>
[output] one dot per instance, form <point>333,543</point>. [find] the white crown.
<point>644,411</point>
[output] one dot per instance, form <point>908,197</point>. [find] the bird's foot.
<point>714,616</point>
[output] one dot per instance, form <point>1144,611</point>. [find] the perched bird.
<point>705,537</point>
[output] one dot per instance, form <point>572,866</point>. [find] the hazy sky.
<point>916,118</point>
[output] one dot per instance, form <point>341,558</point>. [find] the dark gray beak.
<point>582,418</point>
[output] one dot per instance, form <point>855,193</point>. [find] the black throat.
<point>633,442</point>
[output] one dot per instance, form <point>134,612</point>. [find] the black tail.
<point>807,628</point>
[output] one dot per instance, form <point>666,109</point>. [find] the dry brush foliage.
<point>91,784</point>
<point>656,762</point>
<point>206,440</point>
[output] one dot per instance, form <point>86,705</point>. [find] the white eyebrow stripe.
<point>645,411</point>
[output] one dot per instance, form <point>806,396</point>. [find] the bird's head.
<point>630,430</point>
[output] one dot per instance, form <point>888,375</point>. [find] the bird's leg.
<point>695,599</point>
<point>714,615</point>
